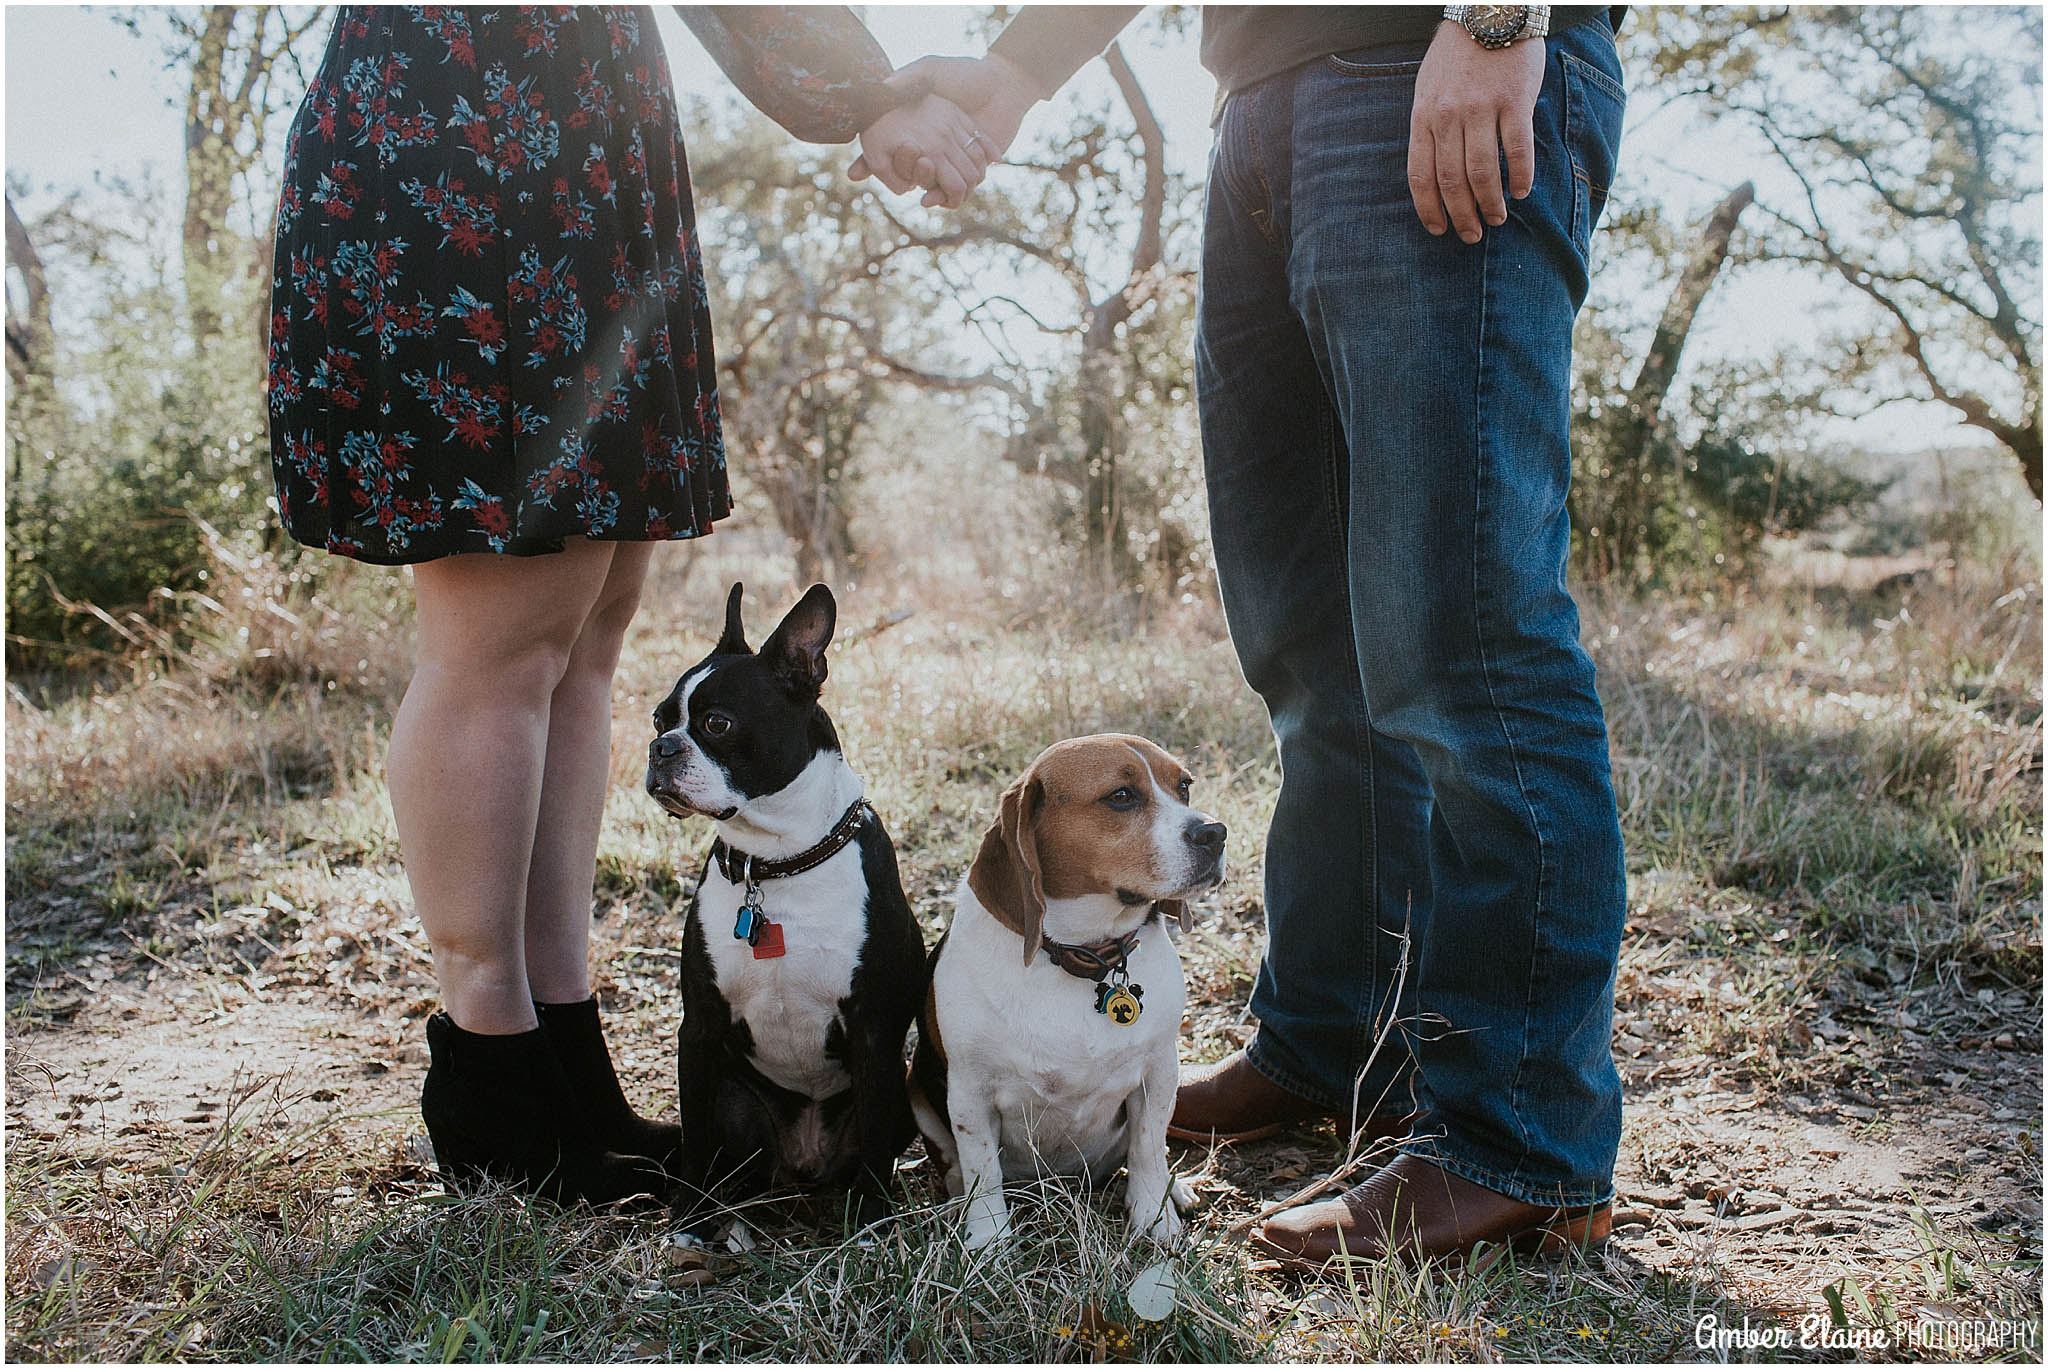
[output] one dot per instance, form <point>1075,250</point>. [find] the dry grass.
<point>1832,803</point>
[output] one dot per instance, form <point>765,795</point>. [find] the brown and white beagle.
<point>1048,1039</point>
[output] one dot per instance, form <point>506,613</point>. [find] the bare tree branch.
<point>2021,437</point>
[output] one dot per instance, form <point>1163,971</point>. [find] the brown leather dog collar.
<point>1097,959</point>
<point>740,868</point>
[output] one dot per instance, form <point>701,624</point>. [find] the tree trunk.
<point>28,335</point>
<point>1660,365</point>
<point>2026,445</point>
<point>209,171</point>
<point>791,457</point>
<point>1102,434</point>
<point>811,512</point>
<point>233,53</point>
<point>1101,451</point>
<point>1646,435</point>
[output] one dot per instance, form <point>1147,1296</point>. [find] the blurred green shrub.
<point>108,464</point>
<point>1734,466</point>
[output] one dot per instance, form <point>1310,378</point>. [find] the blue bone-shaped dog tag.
<point>748,925</point>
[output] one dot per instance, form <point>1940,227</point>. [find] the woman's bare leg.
<point>577,777</point>
<point>468,756</point>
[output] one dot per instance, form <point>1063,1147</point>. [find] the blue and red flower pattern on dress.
<point>488,326</point>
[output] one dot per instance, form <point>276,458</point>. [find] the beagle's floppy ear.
<point>1178,910</point>
<point>1006,876</point>
<point>795,651</point>
<point>733,641</point>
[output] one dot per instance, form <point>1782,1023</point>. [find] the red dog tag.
<point>770,944</point>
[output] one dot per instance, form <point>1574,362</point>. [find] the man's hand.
<point>993,92</point>
<point>1472,104</point>
<point>930,143</point>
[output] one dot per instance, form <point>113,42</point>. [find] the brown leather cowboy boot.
<point>1414,1211</point>
<point>1232,1101</point>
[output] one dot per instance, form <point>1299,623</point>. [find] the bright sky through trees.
<point>88,103</point>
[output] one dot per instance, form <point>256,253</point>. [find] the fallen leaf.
<point>1153,1293</point>
<point>688,1257</point>
<point>1102,1337</point>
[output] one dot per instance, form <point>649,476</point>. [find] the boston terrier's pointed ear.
<point>734,639</point>
<point>796,651</point>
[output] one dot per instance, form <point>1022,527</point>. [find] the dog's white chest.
<point>1061,1075</point>
<point>790,1002</point>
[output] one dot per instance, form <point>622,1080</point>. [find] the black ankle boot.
<point>578,1038</point>
<point>502,1106</point>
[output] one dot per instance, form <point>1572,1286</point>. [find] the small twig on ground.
<point>161,962</point>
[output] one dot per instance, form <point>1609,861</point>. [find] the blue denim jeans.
<point>1385,419</point>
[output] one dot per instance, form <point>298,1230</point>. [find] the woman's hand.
<point>928,143</point>
<point>992,92</point>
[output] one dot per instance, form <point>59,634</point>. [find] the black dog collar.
<point>740,868</point>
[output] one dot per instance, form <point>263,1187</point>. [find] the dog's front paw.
<point>1183,1195</point>
<point>987,1222</point>
<point>1167,1228</point>
<point>983,1234</point>
<point>1156,1209</point>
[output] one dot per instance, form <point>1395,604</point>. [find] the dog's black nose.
<point>1207,836</point>
<point>665,747</point>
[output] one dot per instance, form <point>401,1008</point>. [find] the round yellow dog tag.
<point>1122,1006</point>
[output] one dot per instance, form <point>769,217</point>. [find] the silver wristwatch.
<point>1496,26</point>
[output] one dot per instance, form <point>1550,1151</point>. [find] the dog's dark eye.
<point>1126,797</point>
<point>716,724</point>
<point>1187,787</point>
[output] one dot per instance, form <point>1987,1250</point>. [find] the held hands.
<point>947,140</point>
<point>1471,105</point>
<point>928,143</point>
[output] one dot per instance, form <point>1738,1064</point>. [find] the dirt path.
<point>146,1070</point>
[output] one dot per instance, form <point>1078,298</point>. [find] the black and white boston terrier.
<point>802,966</point>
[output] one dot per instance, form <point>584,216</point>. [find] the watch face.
<point>1497,21</point>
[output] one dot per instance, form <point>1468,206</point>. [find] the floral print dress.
<point>488,327</point>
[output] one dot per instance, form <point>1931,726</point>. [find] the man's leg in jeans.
<point>1345,858</point>
<point>1450,365</point>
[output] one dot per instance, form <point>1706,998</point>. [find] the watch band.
<point>1532,21</point>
